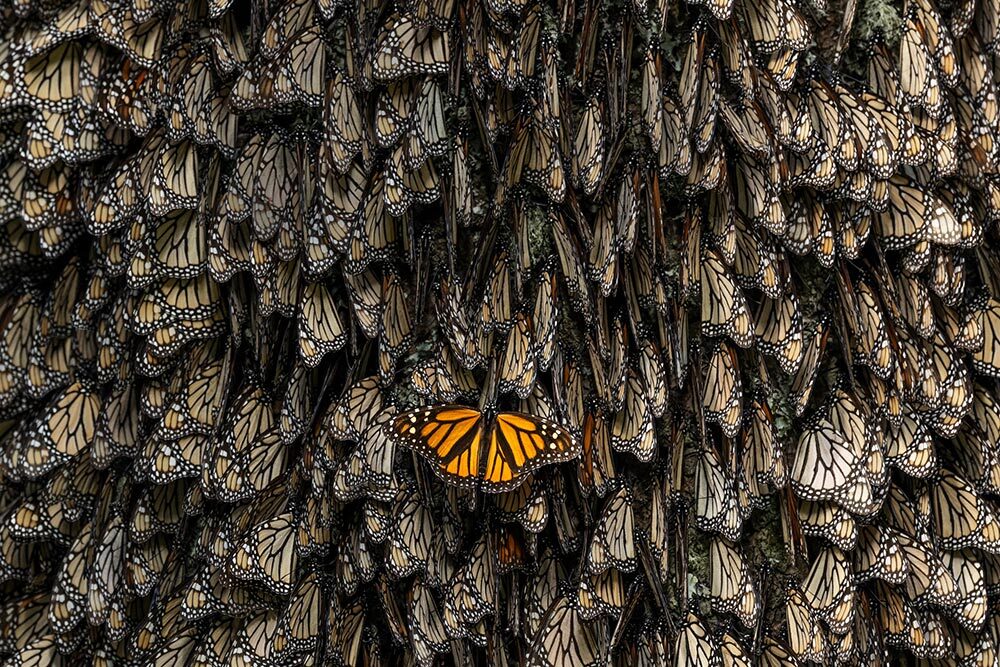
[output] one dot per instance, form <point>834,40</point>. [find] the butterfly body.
<point>471,449</point>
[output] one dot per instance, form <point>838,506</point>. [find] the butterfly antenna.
<point>487,398</point>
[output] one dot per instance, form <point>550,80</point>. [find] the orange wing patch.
<point>519,444</point>
<point>452,438</point>
<point>498,469</point>
<point>448,436</point>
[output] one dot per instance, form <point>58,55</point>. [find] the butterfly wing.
<point>449,436</point>
<point>520,443</point>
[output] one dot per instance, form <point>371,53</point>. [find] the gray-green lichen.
<point>878,17</point>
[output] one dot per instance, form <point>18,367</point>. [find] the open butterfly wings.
<point>467,449</point>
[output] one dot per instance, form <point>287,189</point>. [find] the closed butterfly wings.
<point>466,449</point>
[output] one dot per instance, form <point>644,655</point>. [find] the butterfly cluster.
<point>543,332</point>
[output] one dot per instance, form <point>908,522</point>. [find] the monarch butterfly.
<point>832,125</point>
<point>105,583</point>
<point>378,520</point>
<point>829,521</point>
<point>463,340</point>
<point>723,307</point>
<point>545,319</point>
<point>830,590</point>
<point>880,556</point>
<point>428,632</point>
<point>774,653</point>
<point>695,646</point>
<point>716,509</point>
<point>914,214</point>
<point>296,406</point>
<point>404,188</point>
<point>52,78</point>
<point>719,234</point>
<point>596,468</point>
<point>396,330</point>
<point>705,109</point>
<point>573,273</point>
<point>601,594</point>
<point>428,136</point>
<point>259,637</point>
<point>517,369</point>
<point>342,125</point>
<point>470,449</point>
<point>732,587</point>
<point>144,566</point>
<point>805,636</point>
<point>737,65</point>
<point>632,429</point>
<point>604,248</point>
<point>756,188</point>
<point>608,361</point>
<point>352,414</point>
<point>73,137</point>
<point>959,516</point>
<point>297,72</point>
<point>252,418</point>
<point>542,591</point>
<point>564,638</point>
<point>723,398</point>
<point>613,543</point>
<point>928,579</point>
<point>983,424</point>
<point>409,543</point>
<point>651,106</point>
<point>349,477</point>
<point>347,630</point>
<point>777,24</point>
<point>405,49</point>
<point>253,469</point>
<point>588,154</point>
<point>872,331</point>
<point>65,429</point>
<point>216,646</point>
<point>535,157</point>
<point>755,262</point>
<point>442,377</point>
<point>158,510</point>
<point>67,606</point>
<point>919,82</point>
<point>762,460</point>
<point>511,550</point>
<point>971,608</point>
<point>652,375</point>
<point>896,617</point>
<point>810,230</point>
<point>472,592</point>
<point>267,554</point>
<point>355,562</point>
<point>746,125</point>
<point>733,653</point>
<point>527,504</point>
<point>829,465</point>
<point>675,155</point>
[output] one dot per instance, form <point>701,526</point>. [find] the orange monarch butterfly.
<point>470,449</point>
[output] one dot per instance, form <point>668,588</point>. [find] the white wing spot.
<point>413,430</point>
